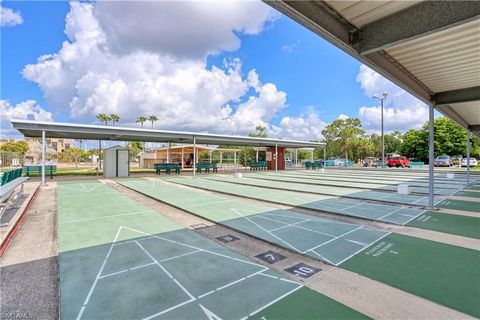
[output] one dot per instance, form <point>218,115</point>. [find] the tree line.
<point>346,138</point>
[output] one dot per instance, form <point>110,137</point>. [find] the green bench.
<point>11,175</point>
<point>348,164</point>
<point>417,164</point>
<point>206,166</point>
<point>313,165</point>
<point>49,169</point>
<point>258,165</point>
<point>167,167</point>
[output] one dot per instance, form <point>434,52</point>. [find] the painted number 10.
<point>303,271</point>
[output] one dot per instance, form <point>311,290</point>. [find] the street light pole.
<point>383,136</point>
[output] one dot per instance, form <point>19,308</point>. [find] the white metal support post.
<point>169,154</point>
<point>245,156</point>
<point>468,157</point>
<point>43,156</point>
<point>324,157</point>
<point>296,157</point>
<point>276,157</point>
<point>194,158</point>
<point>430,157</point>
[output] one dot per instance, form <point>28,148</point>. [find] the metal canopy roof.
<point>31,128</point>
<point>429,48</point>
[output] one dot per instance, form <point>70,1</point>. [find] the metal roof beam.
<point>327,23</point>
<point>475,127</point>
<point>425,18</point>
<point>457,96</point>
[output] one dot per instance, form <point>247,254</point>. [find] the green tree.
<point>450,139</point>
<point>152,119</point>
<point>20,146</point>
<point>345,133</point>
<point>260,132</point>
<point>114,118</point>
<point>103,118</point>
<point>142,120</point>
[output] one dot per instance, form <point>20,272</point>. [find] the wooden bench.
<point>167,167</point>
<point>206,166</point>
<point>258,165</point>
<point>49,170</point>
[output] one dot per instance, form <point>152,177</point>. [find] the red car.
<point>398,161</point>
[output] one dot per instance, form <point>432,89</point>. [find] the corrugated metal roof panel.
<point>360,13</point>
<point>443,61</point>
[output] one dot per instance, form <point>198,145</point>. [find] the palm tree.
<point>152,119</point>
<point>115,118</point>
<point>141,120</point>
<point>103,118</point>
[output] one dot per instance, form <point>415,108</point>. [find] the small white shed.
<point>116,162</point>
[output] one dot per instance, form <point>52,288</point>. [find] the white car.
<point>473,162</point>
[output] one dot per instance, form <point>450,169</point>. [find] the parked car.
<point>337,162</point>
<point>443,161</point>
<point>473,162</point>
<point>369,162</point>
<point>398,161</point>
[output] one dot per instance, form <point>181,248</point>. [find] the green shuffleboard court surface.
<point>473,206</point>
<point>468,194</point>
<point>406,199</point>
<point>121,260</point>
<point>383,182</point>
<point>330,241</point>
<point>448,223</point>
<point>342,206</point>
<point>390,187</point>
<point>439,272</point>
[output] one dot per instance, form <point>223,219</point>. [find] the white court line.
<point>353,254</point>
<point>323,258</point>
<point>350,207</point>
<point>390,213</point>
<point>79,315</point>
<point>79,190</point>
<point>105,217</point>
<point>126,270</point>
<point>180,255</point>
<point>169,309</point>
<point>312,249</point>
<point>414,217</point>
<point>197,248</point>
<point>288,244</point>
<point>166,271</point>
<point>274,301</point>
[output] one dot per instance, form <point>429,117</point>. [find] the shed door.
<point>122,163</point>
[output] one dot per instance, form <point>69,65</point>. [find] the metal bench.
<point>258,165</point>
<point>418,164</point>
<point>49,170</point>
<point>167,167</point>
<point>206,166</point>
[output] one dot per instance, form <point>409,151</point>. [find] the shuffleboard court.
<point>420,182</point>
<point>327,240</point>
<point>403,199</point>
<point>446,274</point>
<point>473,206</point>
<point>384,179</point>
<point>373,211</point>
<point>448,223</point>
<point>347,183</point>
<point>468,193</point>
<point>121,260</point>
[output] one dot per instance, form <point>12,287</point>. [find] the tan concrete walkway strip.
<point>28,268</point>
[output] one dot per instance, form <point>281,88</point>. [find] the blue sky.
<point>304,81</point>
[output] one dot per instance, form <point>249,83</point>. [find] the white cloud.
<point>307,126</point>
<point>89,78</point>
<point>343,117</point>
<point>402,111</point>
<point>9,18</point>
<point>186,29</point>
<point>28,110</point>
<point>289,48</point>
